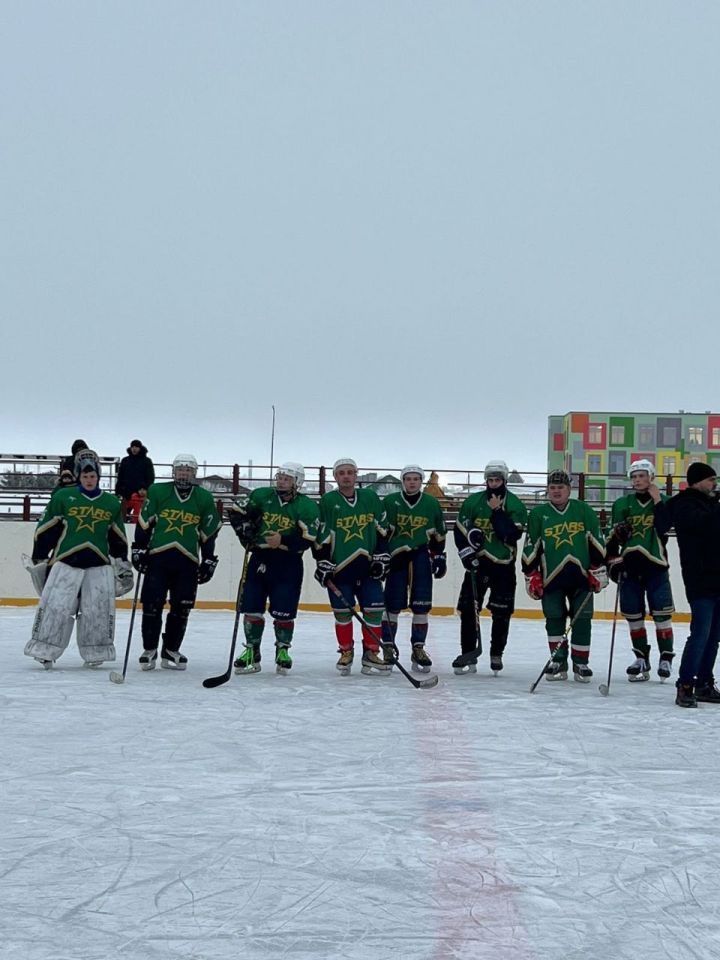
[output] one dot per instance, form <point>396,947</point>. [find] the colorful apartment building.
<point>603,445</point>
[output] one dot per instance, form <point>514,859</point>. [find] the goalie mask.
<point>86,460</point>
<point>294,470</point>
<point>184,471</point>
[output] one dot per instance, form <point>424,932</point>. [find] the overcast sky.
<point>417,228</point>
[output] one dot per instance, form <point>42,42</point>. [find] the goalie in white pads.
<point>81,529</point>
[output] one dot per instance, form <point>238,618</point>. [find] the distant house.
<point>219,485</point>
<point>381,485</point>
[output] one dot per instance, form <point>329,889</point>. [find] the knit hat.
<point>699,471</point>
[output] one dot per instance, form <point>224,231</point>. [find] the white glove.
<point>124,579</point>
<point>38,572</point>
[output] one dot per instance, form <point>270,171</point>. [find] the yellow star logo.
<point>87,523</point>
<point>563,533</point>
<point>177,526</point>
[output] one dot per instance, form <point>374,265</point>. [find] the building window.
<point>695,436</point>
<point>669,466</point>
<point>716,436</point>
<point>617,463</point>
<point>617,434</point>
<point>594,463</point>
<point>595,433</point>
<point>592,494</point>
<point>669,437</point>
<point>646,438</point>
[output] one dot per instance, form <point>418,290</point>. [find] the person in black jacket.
<point>66,474</point>
<point>135,474</point>
<point>696,518</point>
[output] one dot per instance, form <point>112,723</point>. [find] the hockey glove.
<point>207,569</point>
<point>379,565</point>
<point>615,569</point>
<point>324,571</point>
<point>123,577</point>
<point>140,558</point>
<point>623,531</point>
<point>438,565</point>
<point>597,579</point>
<point>534,585</point>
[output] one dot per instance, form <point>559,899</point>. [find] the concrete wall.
<point>16,588</point>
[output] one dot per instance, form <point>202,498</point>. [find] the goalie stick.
<point>114,675</point>
<point>425,684</point>
<point>224,677</point>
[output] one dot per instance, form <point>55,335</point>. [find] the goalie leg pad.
<point>96,618</point>
<point>54,619</point>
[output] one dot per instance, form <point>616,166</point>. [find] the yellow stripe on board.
<point>535,614</point>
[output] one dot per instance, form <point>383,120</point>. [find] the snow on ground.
<point>313,816</point>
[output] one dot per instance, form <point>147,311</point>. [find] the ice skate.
<point>556,671</point>
<point>664,667</point>
<point>249,660</point>
<point>466,662</point>
<point>148,659</point>
<point>496,663</point>
<point>92,664</point>
<point>373,664</point>
<point>420,662</point>
<point>582,672</point>
<point>283,660</point>
<point>345,660</point>
<point>46,664</point>
<point>639,671</point>
<point>173,660</point>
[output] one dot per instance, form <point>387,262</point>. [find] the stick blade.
<point>428,682</point>
<point>212,682</point>
<point>604,689</point>
<point>117,677</point>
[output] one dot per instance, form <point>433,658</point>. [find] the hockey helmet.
<point>497,468</point>
<point>559,476</point>
<point>412,468</point>
<point>344,462</point>
<point>637,465</point>
<point>294,470</point>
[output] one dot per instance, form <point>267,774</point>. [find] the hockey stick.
<point>430,681</point>
<point>604,688</point>
<point>114,675</point>
<point>564,644</point>
<point>224,677</point>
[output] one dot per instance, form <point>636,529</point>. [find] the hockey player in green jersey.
<point>277,525</point>
<point>564,564</point>
<point>82,529</point>
<point>638,563</point>
<point>352,553</point>
<point>416,544</point>
<point>487,531</point>
<point>174,546</point>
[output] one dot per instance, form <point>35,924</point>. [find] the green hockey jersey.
<point>644,540</point>
<point>477,512</point>
<point>413,525</point>
<point>73,521</point>
<point>351,527</point>
<point>177,523</point>
<point>297,520</point>
<point>557,539</point>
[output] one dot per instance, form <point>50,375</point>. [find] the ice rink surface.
<point>312,816</point>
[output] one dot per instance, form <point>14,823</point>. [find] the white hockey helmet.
<point>637,465</point>
<point>294,470</point>
<point>86,459</point>
<point>412,468</point>
<point>344,462</point>
<point>496,468</point>
<point>185,460</point>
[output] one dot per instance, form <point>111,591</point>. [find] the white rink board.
<point>16,539</point>
<point>314,817</point>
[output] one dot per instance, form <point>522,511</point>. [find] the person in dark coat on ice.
<point>135,474</point>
